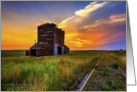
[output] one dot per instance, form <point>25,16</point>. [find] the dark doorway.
<point>59,50</point>
<point>33,52</point>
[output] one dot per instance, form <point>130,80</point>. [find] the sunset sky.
<point>88,25</point>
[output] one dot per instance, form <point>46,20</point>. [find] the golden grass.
<point>120,58</point>
<point>105,77</point>
<point>123,60</point>
<point>72,68</point>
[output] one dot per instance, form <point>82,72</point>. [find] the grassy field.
<point>106,77</point>
<point>12,53</point>
<point>120,58</point>
<point>61,72</point>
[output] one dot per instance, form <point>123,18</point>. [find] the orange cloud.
<point>94,34</point>
<point>97,33</point>
<point>17,32</point>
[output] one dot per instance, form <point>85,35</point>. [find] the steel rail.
<point>118,66</point>
<point>90,73</point>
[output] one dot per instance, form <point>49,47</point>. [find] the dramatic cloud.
<point>86,24</point>
<point>96,32</point>
<point>82,14</point>
<point>90,8</point>
<point>119,18</point>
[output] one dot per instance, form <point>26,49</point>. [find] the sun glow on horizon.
<point>85,28</point>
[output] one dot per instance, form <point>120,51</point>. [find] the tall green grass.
<point>120,58</point>
<point>53,73</point>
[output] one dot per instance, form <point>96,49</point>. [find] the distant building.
<point>50,41</point>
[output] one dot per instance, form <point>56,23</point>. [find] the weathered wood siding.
<point>66,50</point>
<point>50,40</point>
<point>45,40</point>
<point>59,37</point>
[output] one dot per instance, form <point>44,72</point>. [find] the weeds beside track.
<point>106,77</point>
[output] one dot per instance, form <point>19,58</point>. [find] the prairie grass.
<point>12,53</point>
<point>120,58</point>
<point>105,77</point>
<point>52,73</point>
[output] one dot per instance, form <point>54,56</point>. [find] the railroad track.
<point>94,69</point>
<point>119,66</point>
<point>91,73</point>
